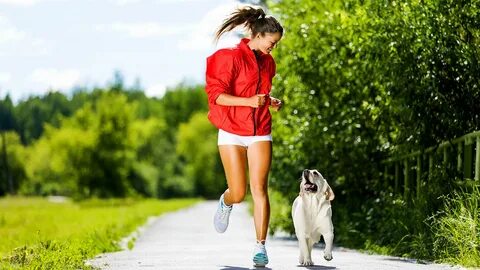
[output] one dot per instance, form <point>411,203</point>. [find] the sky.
<point>58,45</point>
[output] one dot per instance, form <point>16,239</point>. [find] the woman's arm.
<point>253,101</point>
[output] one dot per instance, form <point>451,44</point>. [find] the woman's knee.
<point>259,191</point>
<point>236,196</point>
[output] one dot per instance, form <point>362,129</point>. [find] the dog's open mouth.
<point>310,187</point>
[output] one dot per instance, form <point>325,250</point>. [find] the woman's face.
<point>268,41</point>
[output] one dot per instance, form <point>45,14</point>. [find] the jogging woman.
<point>238,83</point>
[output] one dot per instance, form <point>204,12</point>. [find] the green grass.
<point>457,229</point>
<point>38,234</point>
<point>452,235</point>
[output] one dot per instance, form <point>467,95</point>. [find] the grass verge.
<point>456,229</point>
<point>38,234</point>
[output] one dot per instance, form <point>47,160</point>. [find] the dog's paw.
<point>306,262</point>
<point>328,256</point>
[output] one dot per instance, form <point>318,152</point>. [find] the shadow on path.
<point>405,260</point>
<point>319,267</point>
<point>312,267</point>
<point>228,267</point>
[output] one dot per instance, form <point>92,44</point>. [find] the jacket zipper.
<point>256,93</point>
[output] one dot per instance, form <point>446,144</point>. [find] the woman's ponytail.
<point>253,18</point>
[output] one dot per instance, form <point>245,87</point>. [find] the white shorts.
<point>226,138</point>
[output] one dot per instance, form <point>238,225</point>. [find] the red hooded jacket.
<point>236,71</point>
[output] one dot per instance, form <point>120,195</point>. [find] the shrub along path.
<point>186,239</point>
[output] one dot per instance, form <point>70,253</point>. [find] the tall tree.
<point>197,144</point>
<point>7,122</point>
<point>33,113</point>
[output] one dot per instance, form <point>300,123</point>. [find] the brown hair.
<point>253,18</point>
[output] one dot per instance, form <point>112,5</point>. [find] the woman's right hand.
<point>257,100</point>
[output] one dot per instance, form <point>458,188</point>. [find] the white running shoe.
<point>260,257</point>
<point>220,221</point>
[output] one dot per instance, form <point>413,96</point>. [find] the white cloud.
<point>201,37</point>
<point>54,78</point>
<point>19,2</point>
<point>8,32</point>
<point>144,29</point>
<point>41,46</point>
<point>5,77</point>
<point>16,42</point>
<point>24,3</point>
<point>156,90</point>
<point>128,2</point>
<point>177,1</point>
<point>198,36</point>
<point>124,2</point>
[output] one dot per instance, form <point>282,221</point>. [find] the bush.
<point>361,81</point>
<point>455,228</point>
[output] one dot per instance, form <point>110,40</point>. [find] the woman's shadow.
<point>312,267</point>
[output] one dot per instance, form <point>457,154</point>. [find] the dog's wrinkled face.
<point>312,181</point>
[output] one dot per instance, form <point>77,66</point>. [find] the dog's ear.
<point>329,193</point>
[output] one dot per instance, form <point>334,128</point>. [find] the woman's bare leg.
<point>234,160</point>
<point>259,160</point>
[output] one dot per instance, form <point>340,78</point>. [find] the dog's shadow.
<point>317,267</point>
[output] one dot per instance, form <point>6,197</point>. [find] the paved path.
<point>187,240</point>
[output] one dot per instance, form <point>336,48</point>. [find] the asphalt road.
<point>186,239</point>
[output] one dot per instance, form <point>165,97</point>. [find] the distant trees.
<point>7,122</point>
<point>32,114</point>
<point>197,146</point>
<point>12,163</point>
<point>111,142</point>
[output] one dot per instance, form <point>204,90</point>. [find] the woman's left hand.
<point>275,103</point>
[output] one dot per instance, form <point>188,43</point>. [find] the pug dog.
<point>312,215</point>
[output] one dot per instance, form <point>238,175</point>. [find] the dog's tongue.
<point>312,187</point>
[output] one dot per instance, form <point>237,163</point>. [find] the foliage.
<point>363,80</point>
<point>58,161</point>
<point>151,145</point>
<point>66,234</point>
<point>90,155</point>
<point>7,116</point>
<point>180,103</point>
<point>34,112</point>
<point>360,84</point>
<point>280,208</point>
<point>455,228</point>
<point>101,142</point>
<point>29,116</point>
<point>197,146</point>
<point>12,162</point>
<point>114,151</point>
<point>336,111</point>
